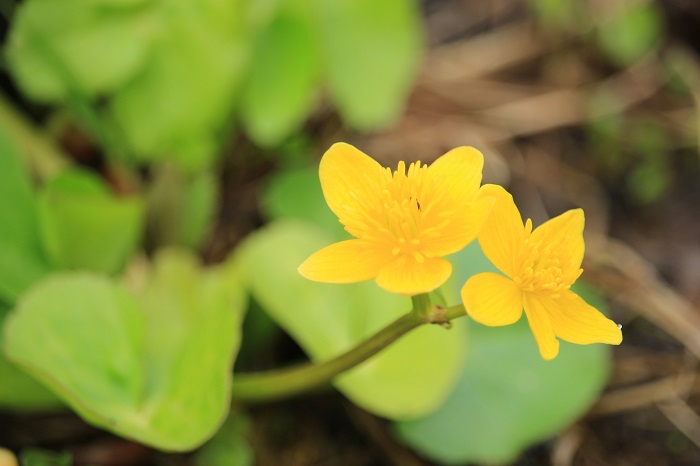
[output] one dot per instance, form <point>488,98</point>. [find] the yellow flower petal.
<point>407,276</point>
<point>492,299</point>
<point>563,235</point>
<point>345,262</point>
<point>462,230</point>
<point>350,180</point>
<point>451,183</point>
<point>577,322</point>
<point>454,177</point>
<point>503,235</point>
<point>539,320</point>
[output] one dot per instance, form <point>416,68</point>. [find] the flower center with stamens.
<point>401,212</point>
<point>541,267</point>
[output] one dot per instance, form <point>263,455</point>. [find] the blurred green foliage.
<point>229,447</point>
<point>35,457</point>
<point>623,32</point>
<point>631,33</point>
<point>170,76</point>
<point>631,151</point>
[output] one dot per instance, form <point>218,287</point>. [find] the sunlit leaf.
<point>177,103</point>
<point>18,390</point>
<point>154,367</point>
<point>371,51</point>
<point>285,72</point>
<point>328,319</point>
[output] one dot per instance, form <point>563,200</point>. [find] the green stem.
<point>421,304</point>
<point>44,157</point>
<point>284,383</point>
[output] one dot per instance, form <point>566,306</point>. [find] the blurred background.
<point>206,108</point>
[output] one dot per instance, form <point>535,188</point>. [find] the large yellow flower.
<point>540,266</point>
<point>403,221</point>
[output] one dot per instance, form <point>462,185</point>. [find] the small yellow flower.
<point>540,266</point>
<point>403,221</point>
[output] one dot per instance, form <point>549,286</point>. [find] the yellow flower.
<point>403,222</point>
<point>540,267</point>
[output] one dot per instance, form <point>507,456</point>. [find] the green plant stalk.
<point>43,155</point>
<point>285,383</point>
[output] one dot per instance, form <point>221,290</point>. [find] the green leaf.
<point>328,319</point>
<point>558,14</point>
<point>297,194</point>
<point>98,45</point>
<point>22,261</point>
<point>18,390</point>
<point>507,397</point>
<point>229,447</point>
<point>153,367</point>
<point>84,226</point>
<point>36,457</point>
<point>178,103</point>
<point>371,51</point>
<point>649,181</point>
<point>284,74</point>
<point>631,33</point>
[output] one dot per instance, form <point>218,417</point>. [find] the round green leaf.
<point>507,397</point>
<point>327,320</point>
<point>154,367</point>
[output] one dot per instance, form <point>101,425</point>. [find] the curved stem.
<point>287,382</point>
